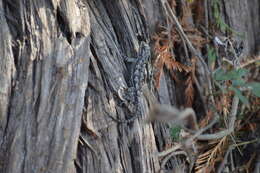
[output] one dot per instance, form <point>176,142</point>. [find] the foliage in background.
<point>175,133</point>
<point>228,81</point>
<point>218,20</point>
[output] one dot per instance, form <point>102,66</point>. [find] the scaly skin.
<point>138,79</point>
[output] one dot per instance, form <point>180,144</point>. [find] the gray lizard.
<point>137,79</point>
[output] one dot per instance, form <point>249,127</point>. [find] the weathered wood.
<point>45,99</point>
<point>243,17</point>
<point>131,148</point>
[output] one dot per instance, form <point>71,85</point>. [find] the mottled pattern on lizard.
<point>138,75</point>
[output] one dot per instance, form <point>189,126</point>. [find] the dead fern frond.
<point>165,58</point>
<point>207,160</point>
<point>226,102</point>
<point>189,91</point>
<point>206,119</point>
<point>223,103</point>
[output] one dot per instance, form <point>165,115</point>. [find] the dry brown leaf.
<point>207,160</point>
<point>189,91</point>
<point>206,119</point>
<point>165,58</point>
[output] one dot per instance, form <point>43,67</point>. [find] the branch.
<point>231,124</point>
<point>167,158</point>
<point>167,7</point>
<point>166,152</point>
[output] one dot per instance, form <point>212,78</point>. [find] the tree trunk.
<point>244,18</point>
<point>62,71</point>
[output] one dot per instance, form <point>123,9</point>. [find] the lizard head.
<point>144,50</point>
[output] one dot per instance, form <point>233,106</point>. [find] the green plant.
<point>216,14</point>
<point>175,133</point>
<point>211,56</point>
<point>238,83</point>
<point>219,21</point>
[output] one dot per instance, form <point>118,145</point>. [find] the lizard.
<point>137,79</point>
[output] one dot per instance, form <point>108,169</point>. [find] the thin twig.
<point>168,151</point>
<point>167,158</point>
<point>167,7</point>
<point>218,135</point>
<point>84,141</point>
<point>185,47</point>
<point>188,142</point>
<point>206,16</point>
<point>232,162</point>
<point>224,161</point>
<point>199,132</point>
<point>199,88</point>
<point>257,165</point>
<point>181,32</point>
<point>231,123</point>
<point>252,61</point>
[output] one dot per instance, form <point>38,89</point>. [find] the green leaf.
<point>219,74</point>
<point>238,93</point>
<point>236,74</point>
<point>223,89</point>
<point>238,82</point>
<point>211,55</point>
<point>175,133</point>
<point>222,25</point>
<point>255,88</point>
<point>242,72</point>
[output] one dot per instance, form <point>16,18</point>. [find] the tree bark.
<point>244,18</point>
<point>61,73</point>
